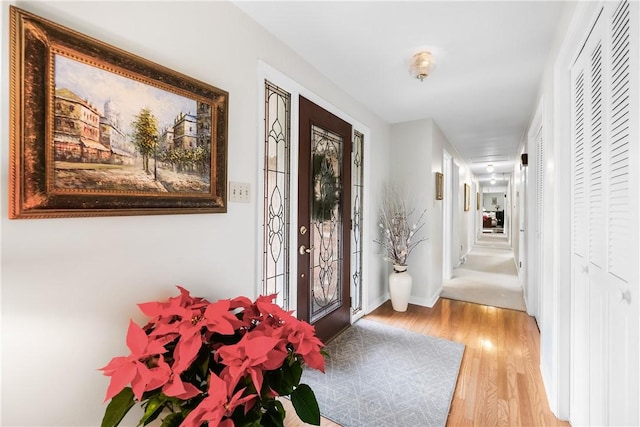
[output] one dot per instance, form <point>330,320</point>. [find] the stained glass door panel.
<point>326,224</point>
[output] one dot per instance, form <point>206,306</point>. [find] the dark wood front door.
<point>324,209</point>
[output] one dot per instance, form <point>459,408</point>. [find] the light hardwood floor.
<point>499,382</point>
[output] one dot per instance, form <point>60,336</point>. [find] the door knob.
<point>304,250</point>
<point>624,296</point>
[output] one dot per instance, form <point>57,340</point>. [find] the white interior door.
<point>508,209</point>
<point>539,220</point>
<point>472,223</point>
<point>522,229</point>
<point>622,196</point>
<point>456,207</point>
<point>447,217</point>
<point>605,320</point>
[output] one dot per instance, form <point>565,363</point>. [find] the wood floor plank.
<point>500,382</point>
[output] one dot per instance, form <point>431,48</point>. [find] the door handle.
<point>624,296</point>
<point>304,250</point>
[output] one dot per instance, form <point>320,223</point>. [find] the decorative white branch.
<point>398,236</point>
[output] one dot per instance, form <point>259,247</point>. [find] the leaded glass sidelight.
<point>275,264</point>
<point>326,224</point>
<point>357,188</point>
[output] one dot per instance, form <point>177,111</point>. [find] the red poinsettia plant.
<point>214,364</point>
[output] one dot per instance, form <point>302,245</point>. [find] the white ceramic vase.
<point>400,287</point>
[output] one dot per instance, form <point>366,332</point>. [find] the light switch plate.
<point>239,192</point>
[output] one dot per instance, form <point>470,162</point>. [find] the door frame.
<point>535,261</point>
<point>556,376</point>
<point>447,218</point>
<point>267,72</point>
<point>472,234</point>
<point>523,261</point>
<point>457,203</point>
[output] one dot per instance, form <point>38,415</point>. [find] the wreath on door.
<point>326,191</point>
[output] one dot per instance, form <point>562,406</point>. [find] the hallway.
<point>488,276</point>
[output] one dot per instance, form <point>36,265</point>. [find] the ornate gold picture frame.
<point>97,131</point>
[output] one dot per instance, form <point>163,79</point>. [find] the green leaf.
<point>203,366</point>
<point>274,415</point>
<point>172,420</point>
<point>306,405</point>
<point>250,419</point>
<point>279,407</point>
<point>286,378</point>
<point>153,408</point>
<point>118,408</point>
<point>296,370</point>
<point>276,381</point>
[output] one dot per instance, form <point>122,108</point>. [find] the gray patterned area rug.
<point>379,375</point>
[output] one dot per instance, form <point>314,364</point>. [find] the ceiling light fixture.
<point>493,181</point>
<point>490,168</point>
<point>421,65</point>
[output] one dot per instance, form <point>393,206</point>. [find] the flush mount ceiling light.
<point>490,168</point>
<point>493,181</point>
<point>421,65</point>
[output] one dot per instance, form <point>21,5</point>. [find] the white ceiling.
<point>489,59</point>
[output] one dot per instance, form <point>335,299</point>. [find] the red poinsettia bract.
<point>206,355</point>
<point>135,368</point>
<point>220,402</point>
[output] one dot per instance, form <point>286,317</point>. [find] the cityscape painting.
<point>98,131</point>
<point>116,134</point>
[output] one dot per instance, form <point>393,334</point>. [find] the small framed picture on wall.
<point>439,186</point>
<point>467,196</point>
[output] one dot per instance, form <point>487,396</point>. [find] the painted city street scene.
<point>115,134</point>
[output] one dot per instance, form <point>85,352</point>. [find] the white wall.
<point>410,157</point>
<point>555,310</point>
<point>69,286</point>
<point>487,200</point>
<point>440,143</point>
<point>419,144</point>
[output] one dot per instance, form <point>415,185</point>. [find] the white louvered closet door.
<point>605,321</point>
<point>580,312</point>
<point>540,171</point>
<point>622,196</point>
<point>593,237</point>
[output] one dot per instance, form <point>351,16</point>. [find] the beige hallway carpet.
<point>488,277</point>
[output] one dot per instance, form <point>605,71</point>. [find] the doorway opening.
<point>278,192</point>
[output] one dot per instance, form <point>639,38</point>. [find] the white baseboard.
<point>378,302</point>
<point>426,302</point>
<point>552,396</point>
